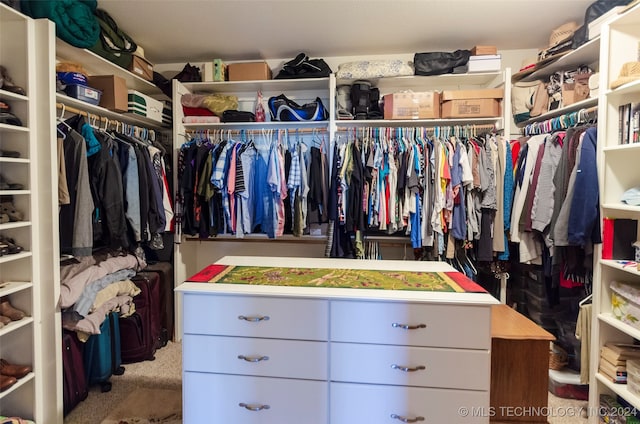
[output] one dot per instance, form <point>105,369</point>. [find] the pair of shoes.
<point>6,83</point>
<point>6,382</point>
<point>9,154</point>
<point>13,370</point>
<point>6,185</point>
<point>8,246</point>
<point>6,117</point>
<point>7,310</point>
<point>7,208</point>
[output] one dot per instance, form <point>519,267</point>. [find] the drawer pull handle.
<point>253,407</point>
<point>405,419</point>
<point>254,319</point>
<point>408,369</point>
<point>407,326</point>
<point>253,358</point>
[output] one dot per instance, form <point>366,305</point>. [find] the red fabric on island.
<point>465,282</point>
<point>207,273</point>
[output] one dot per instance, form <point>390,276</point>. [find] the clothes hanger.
<point>585,300</point>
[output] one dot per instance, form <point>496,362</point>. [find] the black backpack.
<point>593,12</point>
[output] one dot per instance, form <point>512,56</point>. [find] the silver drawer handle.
<point>407,326</point>
<point>408,369</point>
<point>253,407</point>
<point>405,419</point>
<point>254,319</point>
<point>253,358</point>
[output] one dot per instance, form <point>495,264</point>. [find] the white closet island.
<point>270,350</point>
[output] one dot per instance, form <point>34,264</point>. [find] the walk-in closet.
<point>351,212</point>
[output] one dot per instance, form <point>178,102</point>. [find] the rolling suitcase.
<point>74,380</point>
<point>102,357</point>
<point>140,332</point>
<point>165,272</point>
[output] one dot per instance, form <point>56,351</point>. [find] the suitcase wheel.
<point>118,371</point>
<point>105,387</point>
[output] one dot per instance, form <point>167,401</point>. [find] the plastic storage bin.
<point>566,384</point>
<point>84,93</point>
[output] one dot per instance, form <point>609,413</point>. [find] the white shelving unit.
<point>618,171</point>
<point>29,279</point>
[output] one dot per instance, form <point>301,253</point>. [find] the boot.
<point>7,310</point>
<point>360,98</point>
<point>374,107</point>
<point>6,382</point>
<point>13,370</point>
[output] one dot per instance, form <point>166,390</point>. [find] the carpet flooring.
<point>164,374</point>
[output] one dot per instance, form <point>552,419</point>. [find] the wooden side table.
<point>519,366</point>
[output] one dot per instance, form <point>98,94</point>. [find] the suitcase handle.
<point>407,326</point>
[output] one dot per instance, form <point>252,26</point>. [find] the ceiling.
<point>175,31</point>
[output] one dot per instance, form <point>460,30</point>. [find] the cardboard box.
<point>483,50</point>
<point>114,91</point>
<point>424,105</point>
<point>471,103</point>
<point>143,105</point>
<point>249,71</point>
<point>142,68</point>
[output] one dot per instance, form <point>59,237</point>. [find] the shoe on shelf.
<point>4,218</point>
<point>6,185</point>
<point>10,244</point>
<point>6,382</point>
<point>9,154</point>
<point>6,83</point>
<point>4,320</point>
<point>7,310</point>
<point>13,370</point>
<point>6,117</point>
<point>8,209</point>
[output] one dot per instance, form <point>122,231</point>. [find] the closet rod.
<point>257,131</point>
<point>104,119</point>
<point>561,122</point>
<point>75,111</point>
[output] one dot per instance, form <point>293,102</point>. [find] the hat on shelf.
<point>630,72</point>
<point>563,33</point>
<point>560,43</point>
<point>527,67</point>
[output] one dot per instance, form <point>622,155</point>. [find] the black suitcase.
<point>165,272</point>
<point>102,353</point>
<point>140,332</point>
<point>74,381</point>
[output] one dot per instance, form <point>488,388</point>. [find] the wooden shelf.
<point>10,287</point>
<point>14,325</point>
<point>8,95</point>
<point>127,118</point>
<point>252,87</point>
<point>14,257</point>
<point>13,128</point>
<point>620,389</point>
<point>97,65</point>
<point>13,160</point>
<point>21,382</point>
<point>12,225</point>
<point>583,104</point>
<point>616,264</point>
<point>586,54</point>
<point>430,82</point>
<point>496,121</point>
<point>258,125</point>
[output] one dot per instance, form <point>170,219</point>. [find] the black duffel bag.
<point>438,63</point>
<point>593,12</point>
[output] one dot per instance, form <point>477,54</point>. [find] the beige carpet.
<point>163,373</point>
<point>145,406</point>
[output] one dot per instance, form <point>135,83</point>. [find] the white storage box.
<point>141,104</point>
<point>625,303</point>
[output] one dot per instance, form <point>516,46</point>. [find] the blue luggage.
<point>102,357</point>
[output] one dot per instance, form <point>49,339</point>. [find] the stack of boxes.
<point>484,103</point>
